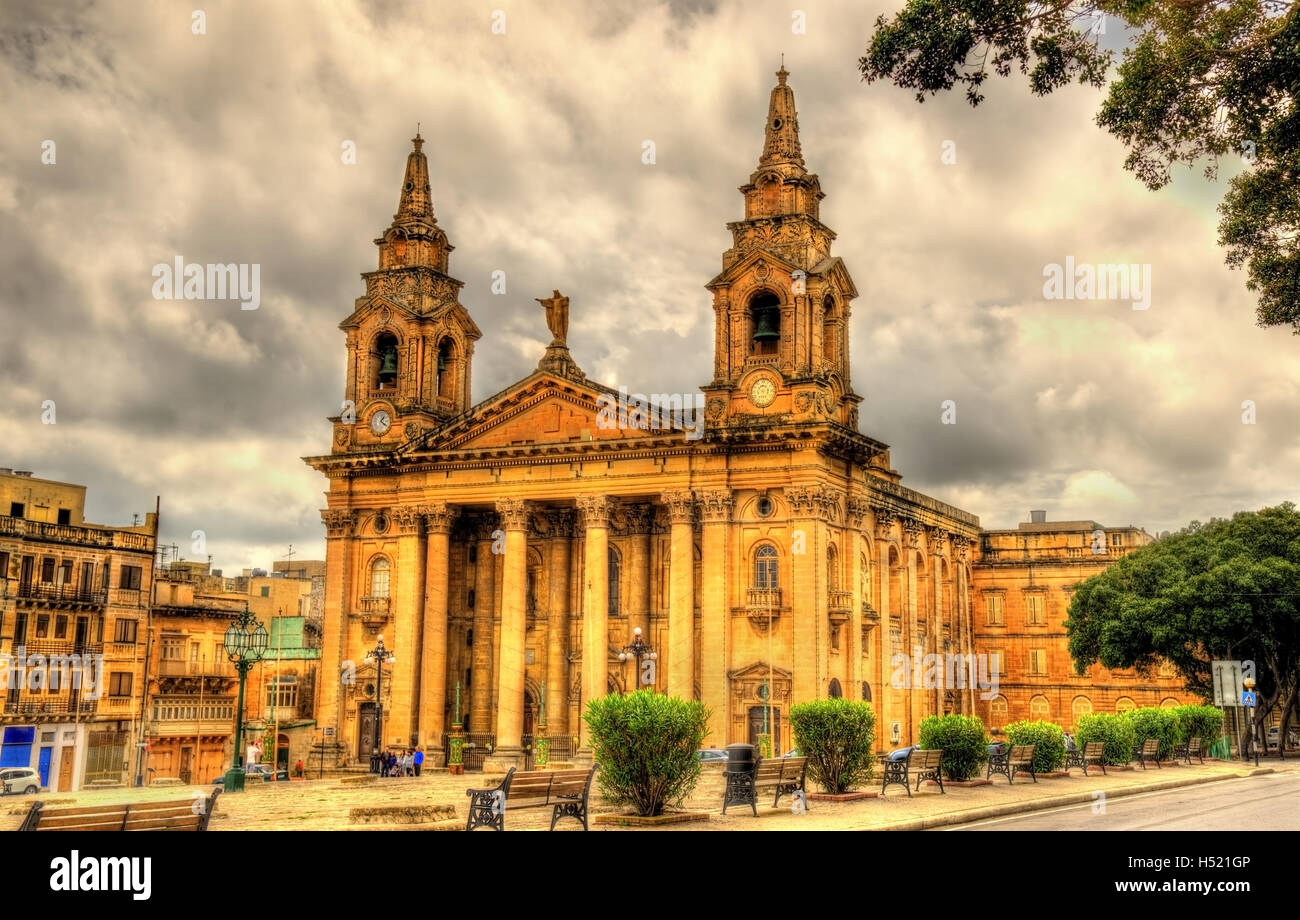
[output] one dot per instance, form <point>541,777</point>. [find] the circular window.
<point>776,124</point>
<point>381,523</point>
<point>764,506</point>
<point>370,689</point>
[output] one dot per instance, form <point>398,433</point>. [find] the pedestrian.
<point>419,759</point>
<point>408,763</point>
<point>299,768</point>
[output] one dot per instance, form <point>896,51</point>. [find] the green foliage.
<point>1154,722</point>
<point>646,744</point>
<point>1048,740</point>
<point>837,736</point>
<point>1200,80</point>
<point>963,741</point>
<point>1115,731</point>
<point>1204,722</point>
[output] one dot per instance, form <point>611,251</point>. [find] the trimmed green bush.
<point>1115,731</point>
<point>646,744</point>
<point>1048,740</point>
<point>1196,721</point>
<point>1154,722</point>
<point>963,741</point>
<point>837,736</point>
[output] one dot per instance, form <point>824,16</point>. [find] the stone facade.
<point>506,551</point>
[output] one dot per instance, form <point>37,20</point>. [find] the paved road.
<point>1270,802</point>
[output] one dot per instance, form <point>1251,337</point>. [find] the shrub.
<point>837,736</point>
<point>1048,740</point>
<point>1196,721</point>
<point>961,738</point>
<point>646,744</point>
<point>1116,732</point>
<point>1154,722</point>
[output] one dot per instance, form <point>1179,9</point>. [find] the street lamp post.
<point>637,650</point>
<point>378,655</point>
<point>245,646</point>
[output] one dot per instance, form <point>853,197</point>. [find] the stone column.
<point>681,596</point>
<point>961,548</point>
<point>595,510</point>
<point>480,691</point>
<point>888,704</point>
<point>640,523</point>
<point>407,611</point>
<point>857,512</point>
<point>938,546</point>
<point>509,751</point>
<point>808,602</point>
<point>438,519</point>
<point>912,529</point>
<point>557,647</point>
<point>340,525</point>
<point>715,622</point>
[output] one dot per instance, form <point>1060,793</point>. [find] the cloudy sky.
<point>226,147</point>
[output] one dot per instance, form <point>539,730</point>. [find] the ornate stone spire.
<point>781,140</point>
<point>415,206</point>
<point>414,238</point>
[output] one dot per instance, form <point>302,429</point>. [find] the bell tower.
<point>410,342</point>
<point>781,303</point>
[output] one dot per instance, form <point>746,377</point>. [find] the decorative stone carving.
<point>514,513</point>
<point>637,519</point>
<point>814,501</point>
<point>857,508</point>
<point>412,430</point>
<point>559,521</point>
<point>680,504</point>
<point>716,506</point>
<point>913,528</point>
<point>938,539</point>
<point>339,523</point>
<point>884,521</point>
<point>408,519</point>
<point>961,546</point>
<point>596,509</point>
<point>715,408</point>
<point>439,517</point>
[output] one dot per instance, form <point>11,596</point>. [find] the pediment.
<point>759,670</point>
<point>376,306</point>
<point>749,262</point>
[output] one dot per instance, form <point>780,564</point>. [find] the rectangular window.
<point>997,662</point>
<point>99,630</point>
<point>60,627</point>
<point>282,694</point>
<point>194,651</point>
<point>47,570</point>
<point>108,565</point>
<point>87,583</point>
<point>4,566</point>
<point>1117,539</point>
<point>993,605</point>
<point>42,626</point>
<point>64,576</point>
<point>130,579</point>
<point>1034,615</point>
<point>1038,661</point>
<point>266,590</point>
<point>173,649</point>
<point>124,630</point>
<point>119,683</point>
<point>16,509</point>
<point>65,516</point>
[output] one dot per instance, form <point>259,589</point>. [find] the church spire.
<point>414,238</point>
<point>415,206</point>
<point>781,136</point>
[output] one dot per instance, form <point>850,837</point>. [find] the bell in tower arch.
<point>765,317</point>
<point>387,362</point>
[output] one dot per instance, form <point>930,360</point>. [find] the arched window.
<point>1168,703</point>
<point>830,338</point>
<point>998,711</point>
<point>1082,707</point>
<point>379,578</point>
<point>1038,707</point>
<point>832,568</point>
<point>385,362</point>
<point>446,353</point>
<point>1123,704</point>
<point>764,323</point>
<point>613,570</point>
<point>834,690</point>
<point>765,568</point>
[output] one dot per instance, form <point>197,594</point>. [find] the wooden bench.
<point>1019,759</point>
<point>1150,750</point>
<point>921,764</point>
<point>1093,752</point>
<point>1191,748</point>
<point>566,792</point>
<point>192,814</point>
<point>783,775</point>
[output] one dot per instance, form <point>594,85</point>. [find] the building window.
<point>4,567</point>
<point>765,323</point>
<point>612,572</point>
<point>60,627</point>
<point>103,581</point>
<point>173,649</point>
<point>266,590</point>
<point>16,509</point>
<point>124,630</point>
<point>1082,707</point>
<point>282,693</point>
<point>119,683</point>
<point>832,569</point>
<point>1038,661</point>
<point>47,570</point>
<point>65,516</point>
<point>379,578</point>
<point>998,711</point>
<point>765,569</point>
<point>64,575</point>
<point>1117,539</point>
<point>997,662</point>
<point>1123,704</point>
<point>42,626</point>
<point>130,578</point>
<point>1038,708</point>
<point>763,506</point>
<point>1034,614</point>
<point>993,607</point>
<point>386,369</point>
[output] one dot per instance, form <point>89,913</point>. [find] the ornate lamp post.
<point>378,655</point>
<point>246,641</point>
<point>636,651</point>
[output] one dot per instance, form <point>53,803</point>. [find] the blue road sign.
<point>1247,698</point>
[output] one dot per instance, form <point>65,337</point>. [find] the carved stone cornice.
<point>407,518</point>
<point>338,522</point>
<point>857,509</point>
<point>514,513</point>
<point>913,528</point>
<point>961,547</point>
<point>938,540</point>
<point>636,519</point>
<point>716,506</point>
<point>814,501</point>
<point>559,522</point>
<point>680,504</point>
<point>596,509</point>
<point>884,522</point>
<point>439,517</point>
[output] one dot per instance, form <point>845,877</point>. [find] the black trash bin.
<point>740,758</point>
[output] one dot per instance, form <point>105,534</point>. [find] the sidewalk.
<point>325,804</point>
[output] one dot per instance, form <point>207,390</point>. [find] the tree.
<point>1200,80</point>
<point>1229,589</point>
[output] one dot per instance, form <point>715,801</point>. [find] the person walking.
<point>419,759</point>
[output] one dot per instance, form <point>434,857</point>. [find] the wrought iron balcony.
<point>50,593</point>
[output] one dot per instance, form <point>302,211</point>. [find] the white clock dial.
<point>762,393</point>
<point>380,423</point>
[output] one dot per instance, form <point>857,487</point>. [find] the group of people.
<point>401,763</point>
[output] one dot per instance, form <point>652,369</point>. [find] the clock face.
<point>762,393</point>
<point>380,423</point>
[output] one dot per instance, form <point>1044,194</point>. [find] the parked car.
<point>20,781</point>
<point>256,770</point>
<point>794,752</point>
<point>711,755</point>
